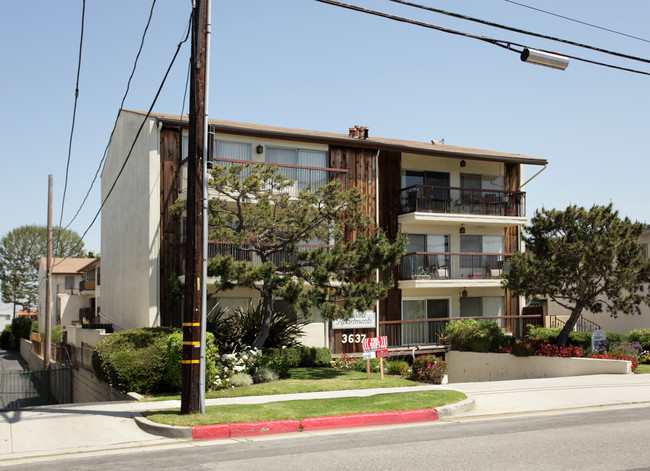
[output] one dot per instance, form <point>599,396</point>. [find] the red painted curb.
<point>363,420</point>
<point>263,428</point>
<point>215,432</point>
<point>210,432</point>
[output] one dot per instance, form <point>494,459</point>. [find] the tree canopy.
<point>582,260</point>
<point>312,249</point>
<point>21,251</point>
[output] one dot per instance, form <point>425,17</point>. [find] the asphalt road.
<point>609,439</point>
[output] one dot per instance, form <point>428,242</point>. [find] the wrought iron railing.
<point>582,325</point>
<point>407,333</point>
<point>239,253</point>
<point>447,265</point>
<point>304,178</point>
<point>447,199</point>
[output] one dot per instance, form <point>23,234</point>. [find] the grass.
<point>300,409</point>
<point>308,380</point>
<point>643,369</point>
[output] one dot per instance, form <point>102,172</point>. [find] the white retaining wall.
<point>476,367</point>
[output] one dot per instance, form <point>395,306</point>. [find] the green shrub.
<point>362,365</point>
<point>7,340</point>
<point>239,380</point>
<point>57,334</point>
<point>428,369</point>
<point>642,336</point>
<point>543,334</point>
<point>522,349</point>
<point>173,376</point>
<point>307,357</point>
<point>398,367</point>
<point>234,332</point>
<point>314,356</point>
<point>471,335</point>
<point>614,337</point>
<point>133,360</point>
<point>21,327</point>
<point>265,374</point>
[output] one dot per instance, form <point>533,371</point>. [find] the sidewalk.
<point>77,428</point>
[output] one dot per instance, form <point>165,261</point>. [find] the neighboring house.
<point>462,208</point>
<point>6,315</point>
<point>622,324</point>
<point>75,291</point>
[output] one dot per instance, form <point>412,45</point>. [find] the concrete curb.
<point>222,431</point>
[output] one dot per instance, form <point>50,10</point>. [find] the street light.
<point>547,59</point>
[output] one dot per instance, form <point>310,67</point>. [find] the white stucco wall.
<point>473,366</point>
<point>130,226</point>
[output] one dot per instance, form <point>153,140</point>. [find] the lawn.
<point>643,369</point>
<point>309,380</point>
<point>300,409</point>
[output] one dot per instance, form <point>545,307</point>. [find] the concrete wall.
<point>476,367</point>
<point>77,335</point>
<point>130,226</point>
<point>87,388</point>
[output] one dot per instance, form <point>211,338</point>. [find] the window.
<point>483,306</point>
<point>99,277</point>
<point>69,282</point>
<point>303,177</point>
<point>233,150</point>
<point>477,245</point>
<point>415,333</point>
<point>436,243</point>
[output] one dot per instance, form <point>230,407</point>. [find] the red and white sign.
<point>375,343</point>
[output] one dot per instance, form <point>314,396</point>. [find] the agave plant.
<point>236,330</point>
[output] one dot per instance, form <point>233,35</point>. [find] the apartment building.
<point>463,210</point>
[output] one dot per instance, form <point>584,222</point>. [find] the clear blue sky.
<point>299,63</point>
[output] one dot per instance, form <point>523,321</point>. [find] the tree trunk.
<point>570,324</point>
<point>267,316</point>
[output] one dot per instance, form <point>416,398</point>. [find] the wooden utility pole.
<point>194,242</point>
<point>48,282</point>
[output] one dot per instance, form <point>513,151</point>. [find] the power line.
<point>135,139</point>
<point>497,42</point>
<point>128,86</point>
<point>578,21</point>
<point>522,31</point>
<point>74,116</point>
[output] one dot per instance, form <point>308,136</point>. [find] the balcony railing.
<point>87,285</point>
<point>239,253</point>
<point>446,265</point>
<point>406,333</point>
<point>446,199</point>
<point>305,178</point>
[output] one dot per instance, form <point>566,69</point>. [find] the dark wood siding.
<point>512,178</point>
<point>389,208</point>
<point>362,174</point>
<point>170,256</point>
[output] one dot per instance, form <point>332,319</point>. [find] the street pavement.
<point>51,431</point>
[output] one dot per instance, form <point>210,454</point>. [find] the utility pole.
<point>48,282</point>
<point>194,243</point>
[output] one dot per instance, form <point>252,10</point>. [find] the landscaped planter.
<point>473,366</point>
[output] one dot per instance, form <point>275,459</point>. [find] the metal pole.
<point>48,282</point>
<point>204,260</point>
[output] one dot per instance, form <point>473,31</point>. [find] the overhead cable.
<point>497,42</point>
<point>578,21</point>
<point>128,86</point>
<point>522,31</point>
<point>74,117</point>
<point>137,135</point>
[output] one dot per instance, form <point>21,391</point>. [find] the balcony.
<point>452,200</point>
<point>87,285</point>
<point>453,266</point>
<point>304,178</point>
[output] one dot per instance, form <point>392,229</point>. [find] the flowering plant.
<point>343,362</point>
<point>229,364</point>
<point>546,350</point>
<point>428,369</point>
